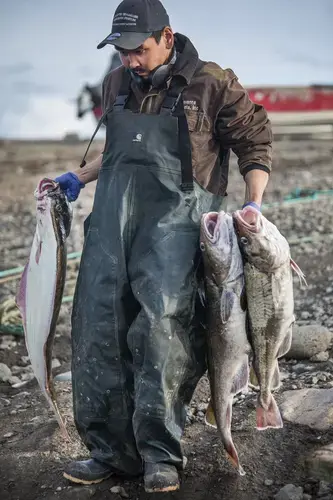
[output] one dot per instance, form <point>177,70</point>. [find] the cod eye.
<point>244,241</point>
<point>202,246</point>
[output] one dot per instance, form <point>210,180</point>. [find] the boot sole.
<point>162,490</point>
<point>85,481</point>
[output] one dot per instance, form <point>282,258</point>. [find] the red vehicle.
<point>294,105</point>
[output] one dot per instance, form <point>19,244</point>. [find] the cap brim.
<point>128,41</point>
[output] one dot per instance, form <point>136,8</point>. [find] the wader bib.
<point>137,344</point>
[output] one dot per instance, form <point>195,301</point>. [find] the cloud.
<point>7,70</point>
<point>308,60</point>
<point>27,87</point>
<point>46,117</point>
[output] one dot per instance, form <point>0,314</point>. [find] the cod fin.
<point>243,300</point>
<point>241,379</point>
<point>299,272</point>
<point>254,382</point>
<point>270,418</point>
<point>202,297</point>
<point>229,446</point>
<point>210,416</point>
<point>227,302</point>
<point>239,383</point>
<point>286,343</point>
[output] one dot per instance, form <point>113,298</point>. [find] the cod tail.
<point>230,449</point>
<point>268,414</point>
<point>232,456</point>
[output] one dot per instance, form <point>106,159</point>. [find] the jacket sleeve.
<point>243,126</point>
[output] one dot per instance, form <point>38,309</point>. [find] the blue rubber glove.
<point>70,184</point>
<point>252,204</point>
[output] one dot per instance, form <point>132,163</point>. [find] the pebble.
<point>324,488</point>
<point>120,491</point>
<point>268,482</point>
<point>55,363</point>
<point>8,435</point>
<point>320,357</point>
<point>5,373</point>
<point>290,492</point>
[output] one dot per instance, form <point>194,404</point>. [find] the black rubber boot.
<point>87,471</point>
<point>161,478</point>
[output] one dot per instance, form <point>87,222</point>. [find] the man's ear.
<point>168,37</point>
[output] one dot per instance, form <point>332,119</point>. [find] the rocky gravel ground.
<point>293,463</point>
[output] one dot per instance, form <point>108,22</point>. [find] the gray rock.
<point>14,380</point>
<point>64,377</point>
<point>268,482</point>
<point>302,368</point>
<point>8,342</point>
<point>5,373</point>
<point>120,491</point>
<point>320,357</point>
<point>74,493</point>
<point>290,492</point>
<point>312,407</point>
<point>55,363</point>
<point>309,340</point>
<point>324,489</point>
<point>306,496</point>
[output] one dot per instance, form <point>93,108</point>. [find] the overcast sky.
<point>48,51</point>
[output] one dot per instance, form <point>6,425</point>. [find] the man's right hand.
<point>70,184</point>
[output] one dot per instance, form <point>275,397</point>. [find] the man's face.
<point>149,55</point>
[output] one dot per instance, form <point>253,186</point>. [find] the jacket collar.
<point>187,59</point>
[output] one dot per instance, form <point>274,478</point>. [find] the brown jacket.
<point>219,114</point>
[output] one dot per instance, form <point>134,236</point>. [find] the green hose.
<point>18,270</point>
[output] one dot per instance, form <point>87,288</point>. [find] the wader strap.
<point>124,91</point>
<point>173,103</point>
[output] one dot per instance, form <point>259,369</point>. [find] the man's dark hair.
<point>157,35</point>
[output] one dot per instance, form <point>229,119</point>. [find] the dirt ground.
<point>33,452</point>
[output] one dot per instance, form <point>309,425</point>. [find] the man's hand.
<point>250,216</point>
<point>70,184</point>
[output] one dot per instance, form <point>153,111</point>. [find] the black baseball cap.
<point>134,21</point>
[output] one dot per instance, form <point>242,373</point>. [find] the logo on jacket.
<point>191,105</point>
<point>137,138</point>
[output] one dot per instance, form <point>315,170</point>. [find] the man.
<point>138,349</point>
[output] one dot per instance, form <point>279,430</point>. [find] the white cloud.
<point>47,117</point>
